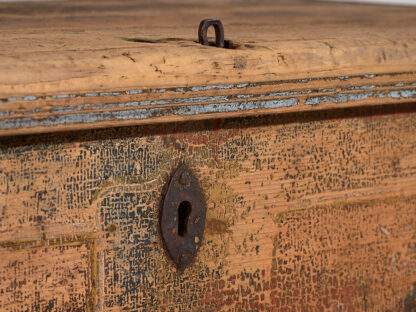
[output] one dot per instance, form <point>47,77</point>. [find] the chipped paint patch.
<point>351,97</point>
<point>140,114</point>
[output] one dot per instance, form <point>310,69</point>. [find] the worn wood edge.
<point>135,64</point>
<point>93,110</point>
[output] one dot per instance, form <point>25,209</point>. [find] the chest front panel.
<point>312,211</point>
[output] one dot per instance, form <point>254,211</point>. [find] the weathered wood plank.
<point>80,45</point>
<point>311,211</point>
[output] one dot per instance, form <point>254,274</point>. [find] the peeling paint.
<point>348,97</point>
<point>196,88</point>
<point>141,109</point>
<point>211,87</point>
<point>139,114</point>
<point>187,110</point>
<point>365,87</point>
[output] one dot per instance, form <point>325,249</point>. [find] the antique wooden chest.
<point>285,161</point>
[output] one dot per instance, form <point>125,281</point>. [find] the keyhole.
<point>184,210</point>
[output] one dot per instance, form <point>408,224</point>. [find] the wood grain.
<point>306,211</point>
<point>55,52</point>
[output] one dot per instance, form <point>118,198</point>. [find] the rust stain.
<point>216,226</point>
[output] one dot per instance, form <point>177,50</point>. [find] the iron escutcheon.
<point>183,217</point>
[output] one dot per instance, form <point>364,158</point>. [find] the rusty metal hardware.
<point>183,217</point>
<point>203,32</point>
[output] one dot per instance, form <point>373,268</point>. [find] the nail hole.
<point>184,211</point>
<point>228,44</point>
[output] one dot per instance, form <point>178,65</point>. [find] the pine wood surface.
<point>59,59</point>
<point>306,212</point>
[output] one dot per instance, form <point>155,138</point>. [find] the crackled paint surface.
<point>305,212</point>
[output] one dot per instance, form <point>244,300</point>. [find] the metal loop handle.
<point>203,32</point>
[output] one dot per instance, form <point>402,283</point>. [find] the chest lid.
<point>93,64</point>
